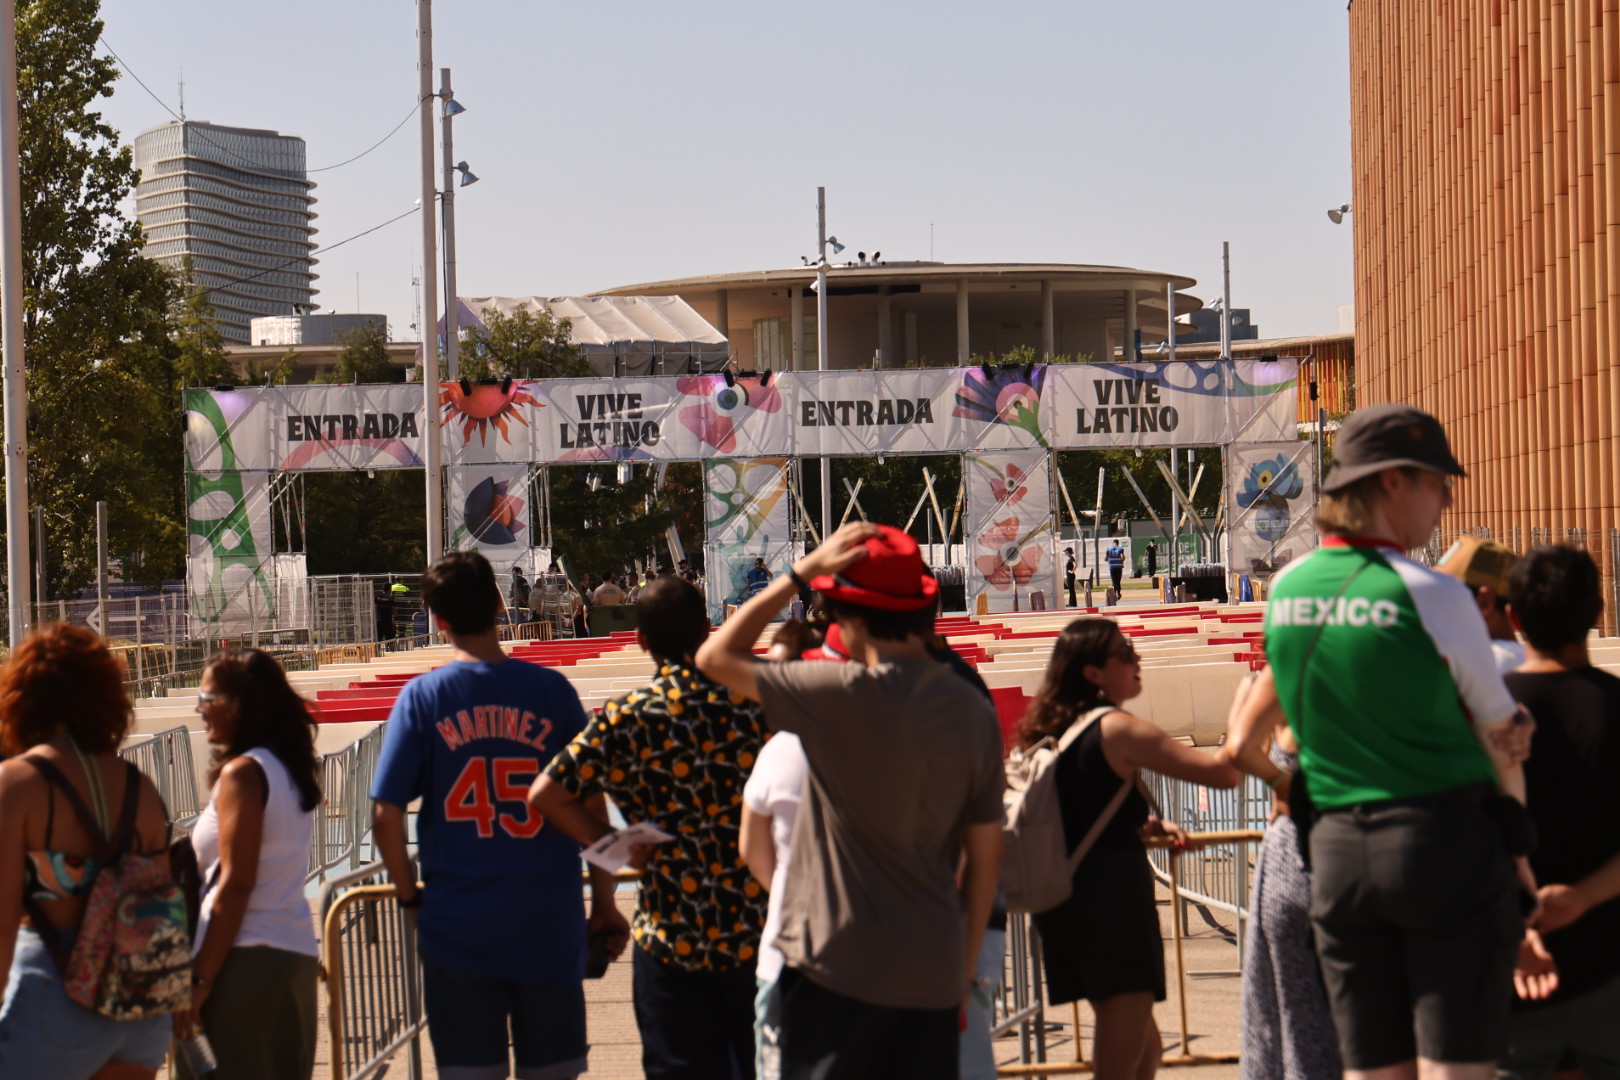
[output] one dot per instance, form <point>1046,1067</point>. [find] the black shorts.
<point>827,1036</point>
<point>1415,908</point>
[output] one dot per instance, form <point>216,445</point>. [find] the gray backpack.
<point>1037,870</point>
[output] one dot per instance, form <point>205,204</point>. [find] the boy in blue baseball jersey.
<point>500,916</point>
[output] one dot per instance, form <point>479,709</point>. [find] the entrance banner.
<point>687,418</point>
<point>1011,545</point>
<point>747,516</point>
<point>304,428</point>
<point>1164,403</point>
<point>699,417</point>
<point>488,508</point>
<point>1273,514</point>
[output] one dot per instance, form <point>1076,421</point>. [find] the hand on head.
<point>841,550</point>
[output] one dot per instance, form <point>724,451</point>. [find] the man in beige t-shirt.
<point>608,593</point>
<point>905,780</point>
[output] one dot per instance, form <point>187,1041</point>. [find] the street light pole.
<point>11,333</point>
<point>821,346</point>
<point>452,306</point>
<point>430,283</point>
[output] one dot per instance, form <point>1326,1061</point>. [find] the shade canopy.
<point>622,335</point>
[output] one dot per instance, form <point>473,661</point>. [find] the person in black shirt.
<point>1569,970</point>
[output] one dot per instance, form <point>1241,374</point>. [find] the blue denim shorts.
<point>473,1019</point>
<point>44,1033</point>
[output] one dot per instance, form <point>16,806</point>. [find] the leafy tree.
<point>364,524</point>
<point>600,522</point>
<point>363,357</point>
<point>102,417</point>
<point>200,358</point>
<point>525,345</point>
<point>257,373</point>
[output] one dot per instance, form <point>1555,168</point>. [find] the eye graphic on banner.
<point>1012,560</point>
<point>719,408</point>
<point>1008,395</point>
<point>480,406</point>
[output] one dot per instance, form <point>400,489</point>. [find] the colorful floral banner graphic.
<point>1011,544</point>
<point>747,517</point>
<point>488,508</point>
<point>1273,511</point>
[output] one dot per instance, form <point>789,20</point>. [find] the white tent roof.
<point>624,335</point>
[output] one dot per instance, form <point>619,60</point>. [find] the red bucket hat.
<point>891,577</point>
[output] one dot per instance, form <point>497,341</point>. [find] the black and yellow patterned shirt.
<point>676,754</point>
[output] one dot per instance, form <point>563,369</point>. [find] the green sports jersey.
<point>1381,665</point>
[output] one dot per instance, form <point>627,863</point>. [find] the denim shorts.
<point>44,1033</point>
<point>473,1018</point>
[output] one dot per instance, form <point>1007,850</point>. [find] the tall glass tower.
<point>238,203</point>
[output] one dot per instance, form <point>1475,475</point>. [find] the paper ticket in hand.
<point>612,852</point>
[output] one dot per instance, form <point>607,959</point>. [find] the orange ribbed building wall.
<point>1486,157</point>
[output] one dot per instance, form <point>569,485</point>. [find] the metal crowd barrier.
<point>1020,1001</point>
<point>1220,875</point>
<point>166,758</point>
<point>372,975</point>
<point>344,819</point>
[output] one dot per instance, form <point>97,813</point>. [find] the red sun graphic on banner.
<point>483,405</point>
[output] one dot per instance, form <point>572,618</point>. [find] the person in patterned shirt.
<point>676,754</point>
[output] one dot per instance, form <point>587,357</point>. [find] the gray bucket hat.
<point>1386,437</point>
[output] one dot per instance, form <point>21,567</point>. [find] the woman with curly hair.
<point>1103,943</point>
<point>256,964</point>
<point>63,712</point>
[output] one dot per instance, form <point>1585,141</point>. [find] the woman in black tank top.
<point>1103,943</point>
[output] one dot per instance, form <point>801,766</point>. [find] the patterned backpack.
<point>132,956</point>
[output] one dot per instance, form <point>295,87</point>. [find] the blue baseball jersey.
<point>502,889</point>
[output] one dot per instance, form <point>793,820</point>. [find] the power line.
<point>311,255</point>
<point>369,149</point>
<point>227,150</point>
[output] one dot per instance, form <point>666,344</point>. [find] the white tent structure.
<point>622,335</point>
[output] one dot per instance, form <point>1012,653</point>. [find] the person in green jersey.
<point>1406,737</point>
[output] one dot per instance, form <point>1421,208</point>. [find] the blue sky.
<point>620,142</point>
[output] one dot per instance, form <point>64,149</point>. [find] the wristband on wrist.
<point>414,902</point>
<point>796,579</point>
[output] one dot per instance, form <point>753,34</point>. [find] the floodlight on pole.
<point>1336,215</point>
<point>430,285</point>
<point>447,202</point>
<point>822,350</point>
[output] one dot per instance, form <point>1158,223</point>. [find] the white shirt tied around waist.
<point>277,915</point>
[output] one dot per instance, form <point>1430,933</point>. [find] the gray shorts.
<point>1415,909</point>
<point>45,1033</point>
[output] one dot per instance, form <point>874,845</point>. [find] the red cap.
<point>892,577</point>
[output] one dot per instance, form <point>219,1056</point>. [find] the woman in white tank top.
<point>256,965</point>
